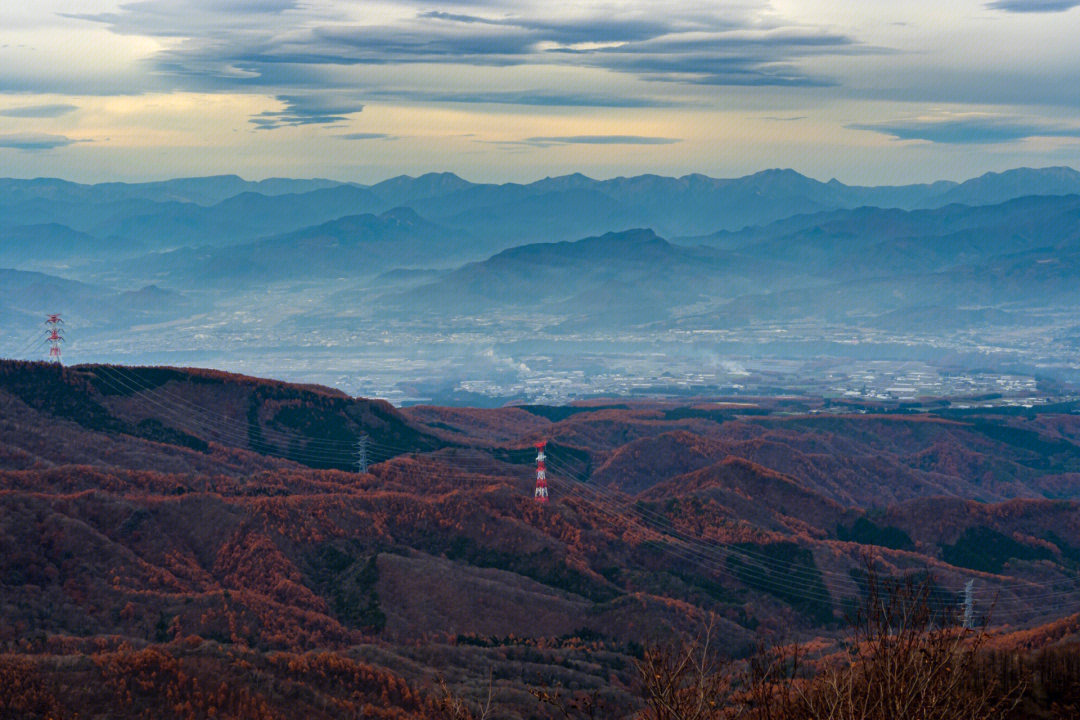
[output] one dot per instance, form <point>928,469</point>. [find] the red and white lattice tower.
<point>55,336</point>
<point>541,494</point>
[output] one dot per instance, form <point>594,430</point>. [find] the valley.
<point>920,296</point>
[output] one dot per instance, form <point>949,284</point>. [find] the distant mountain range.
<point>199,190</point>
<point>574,205</point>
<point>862,266</point>
<point>658,252</point>
<point>119,219</point>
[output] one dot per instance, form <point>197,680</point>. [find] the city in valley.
<point>299,334</point>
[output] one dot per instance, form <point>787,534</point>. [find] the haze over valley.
<point>437,289</point>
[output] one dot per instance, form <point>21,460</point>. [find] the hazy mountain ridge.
<point>976,266</point>
<point>350,246</point>
<point>834,265</point>
<point>608,278</point>
<point>228,210</point>
<point>199,190</point>
<point>23,294</point>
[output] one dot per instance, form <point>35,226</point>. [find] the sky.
<point>866,91</point>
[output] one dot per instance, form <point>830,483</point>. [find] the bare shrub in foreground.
<point>906,658</point>
<point>457,708</point>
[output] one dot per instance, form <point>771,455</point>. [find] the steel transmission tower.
<point>56,336</point>
<point>969,604</point>
<point>541,494</point>
<point>361,454</point>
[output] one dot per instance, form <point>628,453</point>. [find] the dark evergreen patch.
<point>982,548</point>
<point>787,572</point>
<point>865,532</point>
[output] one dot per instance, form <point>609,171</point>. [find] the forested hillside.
<point>207,535</point>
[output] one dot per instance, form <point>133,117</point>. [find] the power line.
<point>705,550</point>
<point>691,549</point>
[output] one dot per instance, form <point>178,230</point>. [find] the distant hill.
<point>199,190</point>
<point>25,295</point>
<point>629,277</point>
<point>241,217</point>
<point>1018,254</point>
<point>26,298</point>
<point>48,244</point>
<point>352,246</point>
<point>975,264</point>
<point>998,187</point>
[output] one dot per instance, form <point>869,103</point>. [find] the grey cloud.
<point>599,140</point>
<point>246,47</point>
<point>311,109</point>
<point>176,18</point>
<point>1033,6</point>
<point>735,58</point>
<point>691,48</point>
<point>723,71</point>
<point>455,17</point>
<point>389,44</point>
<point>648,49</point>
<point>595,29</point>
<point>524,97</point>
<point>726,43</point>
<point>35,142</point>
<point>39,111</point>
<point>967,131</point>
<point>367,136</point>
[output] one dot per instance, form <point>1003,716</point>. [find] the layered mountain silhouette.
<point>859,265</point>
<point>957,265</point>
<point>575,254</point>
<point>350,246</point>
<point>23,295</point>
<point>128,218</point>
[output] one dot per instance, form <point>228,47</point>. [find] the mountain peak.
<point>445,176</point>
<point>633,235</point>
<point>779,172</point>
<point>402,213</point>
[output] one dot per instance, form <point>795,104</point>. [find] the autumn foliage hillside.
<point>173,541</point>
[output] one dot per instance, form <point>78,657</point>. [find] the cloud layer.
<point>600,140</point>
<point>280,87</point>
<point>34,142</point>
<point>53,110</point>
<point>367,136</point>
<point>254,47</point>
<point>1033,6</point>
<point>968,130</point>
